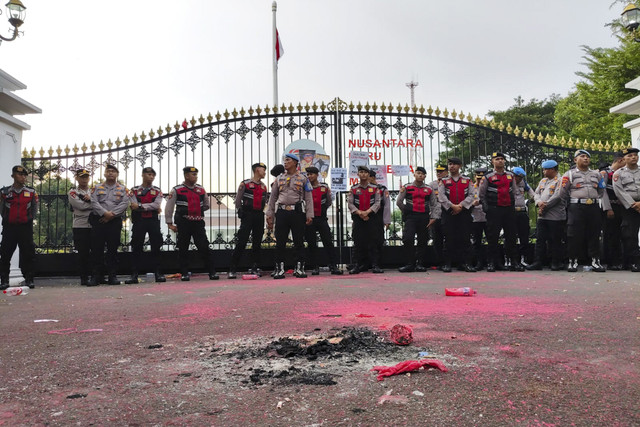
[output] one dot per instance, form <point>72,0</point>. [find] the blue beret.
<point>293,156</point>
<point>549,164</point>
<point>519,171</point>
<point>581,152</point>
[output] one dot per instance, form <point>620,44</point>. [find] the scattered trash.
<point>16,290</point>
<point>401,335</point>
<point>250,276</point>
<point>364,315</point>
<point>279,405</point>
<point>44,320</point>
<point>408,366</point>
<point>152,346</point>
<point>387,397</point>
<point>77,396</point>
<point>72,331</point>
<point>148,295</point>
<point>423,354</point>
<point>459,292</point>
<point>173,276</point>
<point>418,393</point>
<point>331,315</point>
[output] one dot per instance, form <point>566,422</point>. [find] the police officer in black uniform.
<point>382,218</point>
<point>18,207</point>
<point>190,201</point>
<point>251,199</point>
<point>612,233</point>
<point>145,208</point>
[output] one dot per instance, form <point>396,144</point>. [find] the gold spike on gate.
<point>109,144</point>
<point>201,119</point>
<point>323,107</point>
<point>33,152</point>
<point>75,148</point>
<point>501,126</point>
<point>398,108</point>
<point>25,153</point>
<point>563,142</point>
<point>367,107</point>
<point>454,114</point>
<point>250,110</point>
<point>383,107</point>
<point>118,142</point>
<point>509,128</point>
<point>547,139</point>
<point>135,138</point>
<point>59,150</point>
<point>176,126</point>
<point>516,131</point>
<point>493,124</point>
<point>93,146</point>
<point>50,152</point>
<point>429,110</point>
<point>160,131</point>
<point>359,106</point>
<point>226,114</point>
<point>143,136</point>
<point>167,128</point>
<point>445,113</point>
<point>422,110</point>
<point>193,121</point>
<point>66,150</point>
<point>406,108</point>
<point>267,109</point>
<point>351,106</point>
<point>437,111</point>
<point>209,118</point>
<point>607,146</point>
<point>283,109</point>
<point>234,113</point>
<point>299,108</point>
<point>540,138</point>
<point>306,107</point>
<point>414,109</point>
<point>151,133</point>
<point>291,108</point>
<point>525,133</point>
<point>314,107</point>
<point>218,116</point>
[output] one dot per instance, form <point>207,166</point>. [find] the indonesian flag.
<point>279,48</point>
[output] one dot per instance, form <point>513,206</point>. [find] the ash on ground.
<point>313,359</point>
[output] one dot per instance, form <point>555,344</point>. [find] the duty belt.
<point>520,209</point>
<point>287,207</point>
<point>193,217</point>
<point>584,201</point>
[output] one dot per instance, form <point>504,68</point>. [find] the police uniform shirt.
<point>81,208</point>
<point>548,191</point>
<point>171,201</point>
<point>11,193</point>
<point>445,201</point>
<point>375,206</point>
<point>477,213</point>
<point>626,185</point>
<point>484,185</point>
<point>434,205</point>
<point>584,185</point>
<point>109,198</point>
<point>142,190</point>
<point>241,191</point>
<point>521,201</point>
<point>437,213</point>
<point>288,190</point>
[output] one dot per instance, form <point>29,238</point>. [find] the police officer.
<point>456,195</point>
<point>626,184</point>
<point>109,202</point>
<point>190,201</point>
<point>382,218</point>
<point>363,201</point>
<point>18,207</point>
<point>522,211</point>
<point>479,225</point>
<point>612,236</point>
<point>290,193</point>
<point>145,202</point>
<point>437,231</point>
<point>80,203</point>
<point>497,194</point>
<point>251,199</point>
<point>551,218</point>
<point>418,203</point>
<point>275,172</point>
<point>321,195</point>
<point>584,188</point>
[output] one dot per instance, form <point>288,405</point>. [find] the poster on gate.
<point>400,170</point>
<point>381,174</point>
<point>357,158</point>
<point>338,179</point>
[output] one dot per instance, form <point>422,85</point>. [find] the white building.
<point>632,107</point>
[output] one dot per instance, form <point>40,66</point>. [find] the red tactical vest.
<point>190,202</point>
<point>145,195</point>
<point>457,191</point>
<point>417,198</point>
<point>499,190</point>
<point>254,196</point>
<point>18,207</point>
<point>363,197</point>
<point>320,196</point>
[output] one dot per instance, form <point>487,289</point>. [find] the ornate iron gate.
<point>224,146</point>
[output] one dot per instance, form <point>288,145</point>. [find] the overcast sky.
<point>105,69</point>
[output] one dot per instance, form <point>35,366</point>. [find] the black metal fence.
<point>224,147</point>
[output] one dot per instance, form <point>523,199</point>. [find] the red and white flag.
<point>279,48</point>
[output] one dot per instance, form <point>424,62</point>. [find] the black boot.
<point>446,268</point>
<point>279,271</point>
<point>535,266</point>
<point>596,266</point>
<point>335,270</point>
<point>356,269</point>
<point>376,270</point>
<point>213,276</point>
<point>275,270</point>
<point>409,268</point>
<point>556,266</point>
<point>315,271</point>
<point>186,276</point>
<point>299,270</point>
<point>113,280</point>
<point>28,281</point>
<point>94,281</point>
<point>573,265</point>
<point>133,279</point>
<point>84,280</point>
<point>159,277</point>
<point>4,282</point>
<point>255,270</point>
<point>420,267</point>
<point>491,268</point>
<point>469,268</point>
<point>635,268</point>
<point>232,273</point>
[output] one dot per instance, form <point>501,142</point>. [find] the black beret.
<point>149,169</point>
<point>188,169</point>
<point>364,168</point>
<point>455,160</point>
<point>21,170</point>
<point>258,165</point>
<point>312,169</point>
<point>83,172</point>
<point>110,166</point>
<point>421,169</point>
<point>277,170</point>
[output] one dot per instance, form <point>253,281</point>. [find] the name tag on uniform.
<point>324,190</point>
<point>27,194</point>
<point>509,177</point>
<point>154,192</point>
<point>371,190</point>
<point>464,181</point>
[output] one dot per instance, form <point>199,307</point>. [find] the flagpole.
<point>274,8</point>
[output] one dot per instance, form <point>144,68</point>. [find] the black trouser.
<point>320,225</point>
<point>501,218</point>
<point>630,228</point>
<point>82,243</point>
<point>196,229</point>
<point>584,220</point>
<point>415,224</point>
<point>294,221</point>
<point>140,228</point>
<point>104,233</point>
<point>612,236</point>
<point>478,229</point>
<point>21,236</point>
<point>252,222</point>
<point>378,239</point>
<point>523,229</point>
<point>437,234</point>
<point>457,240</point>
<point>549,236</point>
<point>364,235</point>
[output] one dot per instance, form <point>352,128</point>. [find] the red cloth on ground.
<point>408,366</point>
